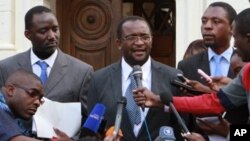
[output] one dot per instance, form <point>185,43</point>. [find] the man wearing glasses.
<point>134,40</point>
<point>20,97</point>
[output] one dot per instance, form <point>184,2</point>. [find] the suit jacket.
<point>68,80</point>
<point>106,88</point>
<point>200,61</point>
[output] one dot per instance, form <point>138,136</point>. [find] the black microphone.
<point>121,104</point>
<point>137,74</point>
<point>166,133</point>
<point>168,99</point>
<point>93,122</point>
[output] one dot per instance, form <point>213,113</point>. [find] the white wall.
<point>188,20</point>
<point>12,39</point>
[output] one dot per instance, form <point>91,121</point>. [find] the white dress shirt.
<point>36,68</point>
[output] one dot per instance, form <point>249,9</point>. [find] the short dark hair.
<point>242,22</point>
<point>119,31</point>
<point>20,75</point>
<point>33,11</point>
<point>231,13</point>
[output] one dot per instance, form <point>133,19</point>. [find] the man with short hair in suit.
<point>217,32</point>
<point>108,85</point>
<point>67,78</point>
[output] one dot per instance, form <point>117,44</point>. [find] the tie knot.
<point>42,64</point>
<point>217,58</point>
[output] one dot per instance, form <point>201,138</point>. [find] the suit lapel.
<point>25,62</point>
<point>57,72</point>
<point>116,81</point>
<point>204,63</point>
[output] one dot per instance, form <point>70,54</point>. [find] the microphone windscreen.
<point>95,118</point>
<point>166,97</point>
<point>166,133</point>
<point>137,71</point>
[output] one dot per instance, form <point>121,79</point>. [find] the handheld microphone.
<point>168,99</point>
<point>121,104</point>
<point>166,133</point>
<point>92,124</point>
<point>137,73</point>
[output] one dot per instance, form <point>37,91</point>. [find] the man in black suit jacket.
<point>216,32</point>
<point>108,85</point>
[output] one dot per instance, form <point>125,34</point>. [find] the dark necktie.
<point>131,107</point>
<point>43,76</point>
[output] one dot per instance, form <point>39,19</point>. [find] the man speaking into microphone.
<point>108,85</point>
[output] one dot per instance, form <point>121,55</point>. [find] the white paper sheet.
<point>64,116</point>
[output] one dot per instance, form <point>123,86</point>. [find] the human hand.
<point>194,137</point>
<point>198,86</point>
<point>220,128</point>
<point>60,136</point>
<point>218,82</point>
<point>110,136</point>
<point>145,97</point>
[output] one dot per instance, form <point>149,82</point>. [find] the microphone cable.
<point>146,125</point>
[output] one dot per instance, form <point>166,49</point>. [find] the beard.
<point>211,45</point>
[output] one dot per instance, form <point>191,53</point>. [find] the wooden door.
<point>160,15</point>
<point>88,29</point>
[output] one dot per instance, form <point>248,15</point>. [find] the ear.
<point>27,34</point>
<point>118,44</point>
<point>248,37</point>
<point>10,90</point>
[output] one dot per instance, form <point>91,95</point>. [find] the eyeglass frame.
<point>133,38</point>
<point>31,94</point>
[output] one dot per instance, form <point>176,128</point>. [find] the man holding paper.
<point>20,97</point>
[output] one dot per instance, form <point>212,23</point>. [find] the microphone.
<point>166,133</point>
<point>121,104</point>
<point>92,124</point>
<point>168,99</point>
<point>137,73</point>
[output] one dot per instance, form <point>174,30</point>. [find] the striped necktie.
<point>131,107</point>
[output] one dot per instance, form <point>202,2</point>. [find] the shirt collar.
<point>50,61</point>
<point>226,54</point>
<point>127,69</point>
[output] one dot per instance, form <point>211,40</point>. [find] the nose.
<point>51,34</point>
<point>207,25</point>
<point>37,102</point>
<point>139,40</point>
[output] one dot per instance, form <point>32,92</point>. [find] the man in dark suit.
<point>67,78</point>
<point>216,32</point>
<point>109,84</point>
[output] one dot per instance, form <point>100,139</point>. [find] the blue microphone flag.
<point>95,118</point>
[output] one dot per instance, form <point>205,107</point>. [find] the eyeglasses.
<point>133,38</point>
<point>33,93</point>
